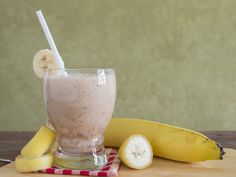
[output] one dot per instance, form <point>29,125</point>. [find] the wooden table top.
<point>12,142</point>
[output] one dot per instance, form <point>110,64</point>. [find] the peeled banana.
<point>43,61</point>
<point>167,141</point>
<point>136,152</point>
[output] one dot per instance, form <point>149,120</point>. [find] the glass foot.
<point>86,161</point>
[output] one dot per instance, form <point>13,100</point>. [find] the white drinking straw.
<point>50,39</point>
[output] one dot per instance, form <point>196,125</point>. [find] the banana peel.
<point>40,144</point>
<point>31,164</point>
<point>38,153</point>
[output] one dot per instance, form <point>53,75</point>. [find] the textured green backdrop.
<point>175,59</point>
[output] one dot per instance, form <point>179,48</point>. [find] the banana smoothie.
<point>80,105</point>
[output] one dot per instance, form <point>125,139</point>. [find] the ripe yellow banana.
<point>167,141</point>
<point>38,152</point>
<point>40,143</point>
<point>30,164</point>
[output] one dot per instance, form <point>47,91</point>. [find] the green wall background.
<point>175,60</point>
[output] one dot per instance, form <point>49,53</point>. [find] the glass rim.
<point>81,69</point>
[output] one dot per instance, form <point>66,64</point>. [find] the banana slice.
<point>28,164</point>
<point>136,152</point>
<point>40,143</point>
<point>43,61</point>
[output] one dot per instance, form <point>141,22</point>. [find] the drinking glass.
<point>80,103</point>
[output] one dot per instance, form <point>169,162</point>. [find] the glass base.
<point>86,161</point>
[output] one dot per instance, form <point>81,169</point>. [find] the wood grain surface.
<point>159,168</point>
<point>12,142</point>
